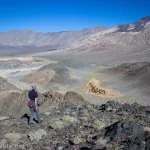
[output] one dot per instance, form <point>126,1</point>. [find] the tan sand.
<point>23,59</point>
<point>94,87</point>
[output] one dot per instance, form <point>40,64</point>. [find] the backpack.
<point>31,104</point>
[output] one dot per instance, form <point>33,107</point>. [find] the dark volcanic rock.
<point>110,106</point>
<point>128,133</point>
<point>82,127</point>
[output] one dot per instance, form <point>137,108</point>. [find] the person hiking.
<point>33,104</point>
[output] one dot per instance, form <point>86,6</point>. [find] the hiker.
<point>33,104</point>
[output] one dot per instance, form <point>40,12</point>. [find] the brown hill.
<point>42,77</point>
<point>55,76</point>
<point>137,74</point>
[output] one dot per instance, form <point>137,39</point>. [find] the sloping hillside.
<point>122,37</point>
<point>137,74</point>
<point>110,126</point>
<point>5,85</point>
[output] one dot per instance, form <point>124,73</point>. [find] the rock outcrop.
<point>111,126</point>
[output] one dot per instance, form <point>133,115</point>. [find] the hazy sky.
<point>60,15</point>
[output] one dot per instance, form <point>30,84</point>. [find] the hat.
<point>33,86</point>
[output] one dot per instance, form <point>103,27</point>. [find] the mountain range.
<point>134,35</point>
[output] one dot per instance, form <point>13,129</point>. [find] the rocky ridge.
<point>82,126</point>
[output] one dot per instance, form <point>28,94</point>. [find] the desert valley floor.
<point>99,76</point>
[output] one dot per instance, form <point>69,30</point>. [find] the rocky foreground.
<point>111,126</point>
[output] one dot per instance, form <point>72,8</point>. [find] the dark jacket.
<point>32,95</point>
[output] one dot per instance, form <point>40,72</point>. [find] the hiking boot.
<point>40,122</point>
<point>31,123</point>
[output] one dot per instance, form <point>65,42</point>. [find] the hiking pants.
<point>32,115</point>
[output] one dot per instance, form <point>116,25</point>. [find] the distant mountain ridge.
<point>134,35</point>
<point>32,38</point>
<point>123,37</point>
